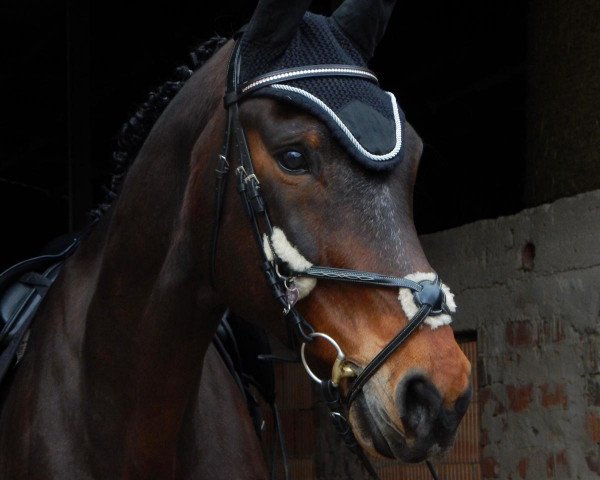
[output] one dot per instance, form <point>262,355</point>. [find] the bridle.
<point>428,294</point>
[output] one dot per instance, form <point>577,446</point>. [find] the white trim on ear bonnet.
<point>407,301</point>
<point>289,254</point>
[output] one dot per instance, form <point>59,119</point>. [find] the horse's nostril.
<point>420,404</point>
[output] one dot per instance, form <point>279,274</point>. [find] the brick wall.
<point>529,285</point>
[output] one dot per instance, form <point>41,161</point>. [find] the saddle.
<point>22,289</point>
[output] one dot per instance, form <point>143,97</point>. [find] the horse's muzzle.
<point>427,427</point>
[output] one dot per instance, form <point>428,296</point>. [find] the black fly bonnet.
<point>365,119</point>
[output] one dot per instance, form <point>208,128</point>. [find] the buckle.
<point>431,294</point>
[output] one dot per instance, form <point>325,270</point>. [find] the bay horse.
<point>115,357</point>
<point>218,437</point>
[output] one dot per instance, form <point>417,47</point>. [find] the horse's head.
<point>337,165</point>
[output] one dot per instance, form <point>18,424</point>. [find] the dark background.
<point>73,72</point>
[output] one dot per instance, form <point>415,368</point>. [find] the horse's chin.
<point>380,437</point>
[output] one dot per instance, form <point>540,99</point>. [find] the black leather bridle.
<point>428,294</point>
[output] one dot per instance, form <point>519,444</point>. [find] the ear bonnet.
<point>364,118</point>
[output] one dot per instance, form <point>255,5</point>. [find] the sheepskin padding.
<point>289,254</point>
<point>409,306</point>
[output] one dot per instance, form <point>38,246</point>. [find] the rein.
<point>428,295</point>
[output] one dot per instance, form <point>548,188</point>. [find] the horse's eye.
<point>293,162</point>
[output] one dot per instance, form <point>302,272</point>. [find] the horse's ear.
<point>274,23</point>
<point>364,21</point>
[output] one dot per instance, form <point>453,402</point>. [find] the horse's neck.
<point>154,313</point>
<point>147,328</point>
<point>130,319</point>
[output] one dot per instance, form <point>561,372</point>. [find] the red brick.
<point>484,439</point>
<point>519,397</point>
<point>593,462</point>
<point>485,394</point>
<point>553,331</point>
<point>561,458</point>
<point>528,256</point>
<point>557,465</point>
<point>490,468</point>
<point>554,395</point>
<point>593,426</point>
<point>522,467</point>
<point>520,334</point>
<point>550,467</point>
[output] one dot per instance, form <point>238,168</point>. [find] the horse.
<point>115,357</point>
<point>218,437</point>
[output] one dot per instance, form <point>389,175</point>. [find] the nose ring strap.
<point>424,310</point>
<point>382,356</point>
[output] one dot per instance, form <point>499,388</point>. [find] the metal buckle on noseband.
<point>431,294</point>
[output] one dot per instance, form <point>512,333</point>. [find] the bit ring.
<point>340,354</point>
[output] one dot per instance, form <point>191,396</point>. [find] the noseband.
<point>428,294</point>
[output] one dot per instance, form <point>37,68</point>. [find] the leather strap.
<point>432,470</point>
<point>285,75</point>
<point>252,201</point>
<point>221,171</point>
<point>424,310</point>
<point>357,276</point>
<point>385,353</point>
<point>331,394</point>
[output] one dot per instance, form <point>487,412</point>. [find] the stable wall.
<point>529,285</point>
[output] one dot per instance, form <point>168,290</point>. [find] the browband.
<point>285,75</point>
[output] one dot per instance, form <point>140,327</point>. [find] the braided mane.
<point>134,131</point>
